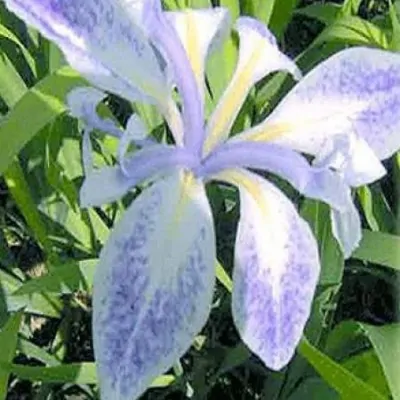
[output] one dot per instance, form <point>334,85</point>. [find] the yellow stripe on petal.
<point>258,57</point>
<point>199,30</point>
<point>228,107</point>
<point>239,178</point>
<point>193,47</point>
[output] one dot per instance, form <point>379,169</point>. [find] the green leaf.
<point>39,106</point>
<point>323,12</point>
<point>379,248</point>
<point>353,30</point>
<point>376,208</point>
<point>8,340</point>
<point>260,9</point>
<point>224,278</point>
<point>313,389</point>
<point>33,351</point>
<point>332,262</point>
<point>394,20</point>
<point>233,6</point>
<point>12,86</point>
<point>366,366</point>
<point>7,34</point>
<point>20,190</point>
<point>281,16</point>
<point>338,377</point>
<point>78,373</point>
<point>386,342</point>
<point>63,279</point>
<point>41,304</point>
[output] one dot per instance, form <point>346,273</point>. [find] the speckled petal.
<point>93,34</point>
<point>276,271</point>
<point>153,286</point>
<point>200,30</point>
<point>259,56</point>
<point>355,91</point>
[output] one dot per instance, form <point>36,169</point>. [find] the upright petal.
<point>276,270</point>
<point>346,226</point>
<point>93,35</point>
<point>83,102</point>
<point>136,133</point>
<point>355,91</point>
<point>153,286</point>
<point>170,46</point>
<point>108,184</point>
<point>258,56</point>
<point>200,30</point>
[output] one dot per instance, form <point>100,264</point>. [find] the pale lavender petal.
<point>259,56</point>
<point>87,152</point>
<point>346,227</point>
<point>200,31</point>
<point>153,286</point>
<point>135,132</point>
<point>83,102</point>
<point>94,34</point>
<point>319,183</point>
<point>104,185</point>
<point>167,41</point>
<point>356,91</point>
<point>276,270</point>
<point>109,184</point>
<point>352,158</point>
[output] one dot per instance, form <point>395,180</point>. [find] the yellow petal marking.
<point>240,179</point>
<point>231,102</point>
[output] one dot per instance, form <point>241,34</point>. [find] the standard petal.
<point>165,37</point>
<point>93,35</point>
<point>259,56</point>
<point>153,286</point>
<point>136,133</point>
<point>346,227</point>
<point>83,102</point>
<point>276,271</point>
<point>108,184</point>
<point>200,30</point>
<point>355,91</point>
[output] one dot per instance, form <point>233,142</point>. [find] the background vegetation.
<point>49,246</point>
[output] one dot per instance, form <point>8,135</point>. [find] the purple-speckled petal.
<point>356,91</point>
<point>94,34</point>
<point>318,183</point>
<point>108,184</point>
<point>153,286</point>
<point>276,270</point>
<point>259,56</point>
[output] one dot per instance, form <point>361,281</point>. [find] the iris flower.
<point>154,282</point>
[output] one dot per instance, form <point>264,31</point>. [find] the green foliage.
<point>49,245</point>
